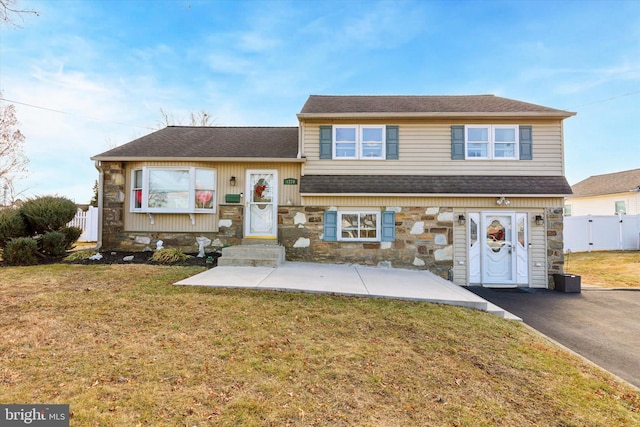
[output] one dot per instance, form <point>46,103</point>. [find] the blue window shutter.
<point>526,143</point>
<point>457,142</point>
<point>326,139</point>
<point>392,143</point>
<point>330,226</point>
<point>388,226</point>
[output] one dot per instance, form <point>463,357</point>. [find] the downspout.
<point>100,203</point>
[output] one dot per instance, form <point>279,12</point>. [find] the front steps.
<point>253,253</point>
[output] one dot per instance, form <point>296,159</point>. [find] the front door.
<point>261,207</point>
<point>499,249</point>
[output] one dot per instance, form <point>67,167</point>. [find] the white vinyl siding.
<point>426,149</point>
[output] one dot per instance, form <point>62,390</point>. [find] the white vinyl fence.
<point>88,222</point>
<point>601,233</point>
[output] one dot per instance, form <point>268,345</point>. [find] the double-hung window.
<point>173,190</point>
<point>491,141</point>
<point>359,142</point>
<point>358,226</point>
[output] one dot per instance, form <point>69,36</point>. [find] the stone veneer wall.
<point>555,243</point>
<point>424,240</point>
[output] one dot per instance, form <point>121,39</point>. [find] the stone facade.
<point>423,240</point>
<point>555,245</point>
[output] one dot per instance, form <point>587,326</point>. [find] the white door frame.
<point>270,230</point>
<point>477,249</point>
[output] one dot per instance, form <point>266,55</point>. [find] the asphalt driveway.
<point>600,324</point>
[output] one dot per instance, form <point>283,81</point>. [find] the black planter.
<point>567,282</point>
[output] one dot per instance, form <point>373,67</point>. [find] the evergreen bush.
<point>71,236</point>
<point>21,251</point>
<point>11,225</point>
<point>48,213</point>
<point>54,243</point>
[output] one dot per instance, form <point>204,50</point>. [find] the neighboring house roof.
<point>611,183</point>
<point>425,184</point>
<point>449,106</point>
<point>198,142</point>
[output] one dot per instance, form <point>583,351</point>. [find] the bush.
<point>11,225</point>
<point>71,236</point>
<point>168,256</point>
<point>53,243</point>
<point>80,255</point>
<point>48,213</point>
<point>21,251</point>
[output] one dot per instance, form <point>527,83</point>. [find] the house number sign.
<point>290,181</point>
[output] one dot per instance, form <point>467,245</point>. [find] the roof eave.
<point>200,159</point>
<point>517,114</point>
<point>428,195</point>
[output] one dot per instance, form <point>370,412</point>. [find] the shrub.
<point>21,251</point>
<point>11,225</point>
<point>53,243</point>
<point>80,255</point>
<point>48,213</point>
<point>168,256</point>
<point>71,236</point>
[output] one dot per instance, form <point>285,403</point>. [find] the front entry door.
<point>261,207</point>
<point>499,249</point>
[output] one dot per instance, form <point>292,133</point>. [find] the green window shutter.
<point>392,143</point>
<point>326,142</point>
<point>526,143</point>
<point>457,142</point>
<point>388,226</point>
<point>330,226</point>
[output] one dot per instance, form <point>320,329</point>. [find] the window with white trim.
<point>359,142</point>
<point>621,207</point>
<point>173,190</point>
<point>491,141</point>
<point>359,226</point>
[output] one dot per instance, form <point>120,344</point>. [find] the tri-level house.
<point>469,187</point>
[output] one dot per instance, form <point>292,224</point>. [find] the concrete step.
<point>272,242</point>
<point>254,255</point>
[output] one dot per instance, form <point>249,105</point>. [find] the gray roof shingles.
<point>340,104</point>
<point>425,184</point>
<point>611,183</point>
<point>210,142</point>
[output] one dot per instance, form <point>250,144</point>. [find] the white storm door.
<point>498,249</point>
<point>261,207</point>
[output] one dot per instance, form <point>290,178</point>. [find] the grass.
<point>124,347</point>
<point>610,269</point>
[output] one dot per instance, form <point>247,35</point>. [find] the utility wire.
<point>604,100</point>
<point>73,114</point>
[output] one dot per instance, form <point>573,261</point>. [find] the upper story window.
<point>491,141</point>
<point>621,207</point>
<point>368,142</point>
<point>173,190</point>
<point>359,142</point>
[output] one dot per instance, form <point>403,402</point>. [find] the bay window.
<point>173,190</point>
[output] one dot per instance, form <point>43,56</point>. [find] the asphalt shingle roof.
<point>342,104</point>
<point>425,184</point>
<point>177,142</point>
<point>611,183</point>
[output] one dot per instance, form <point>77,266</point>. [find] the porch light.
<point>539,220</point>
<point>461,219</point>
<point>503,201</point>
<point>232,181</point>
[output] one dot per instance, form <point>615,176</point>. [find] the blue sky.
<point>107,68</point>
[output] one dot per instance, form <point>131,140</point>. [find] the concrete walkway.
<point>352,280</point>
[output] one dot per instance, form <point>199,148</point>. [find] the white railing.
<point>601,233</point>
<point>87,221</point>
